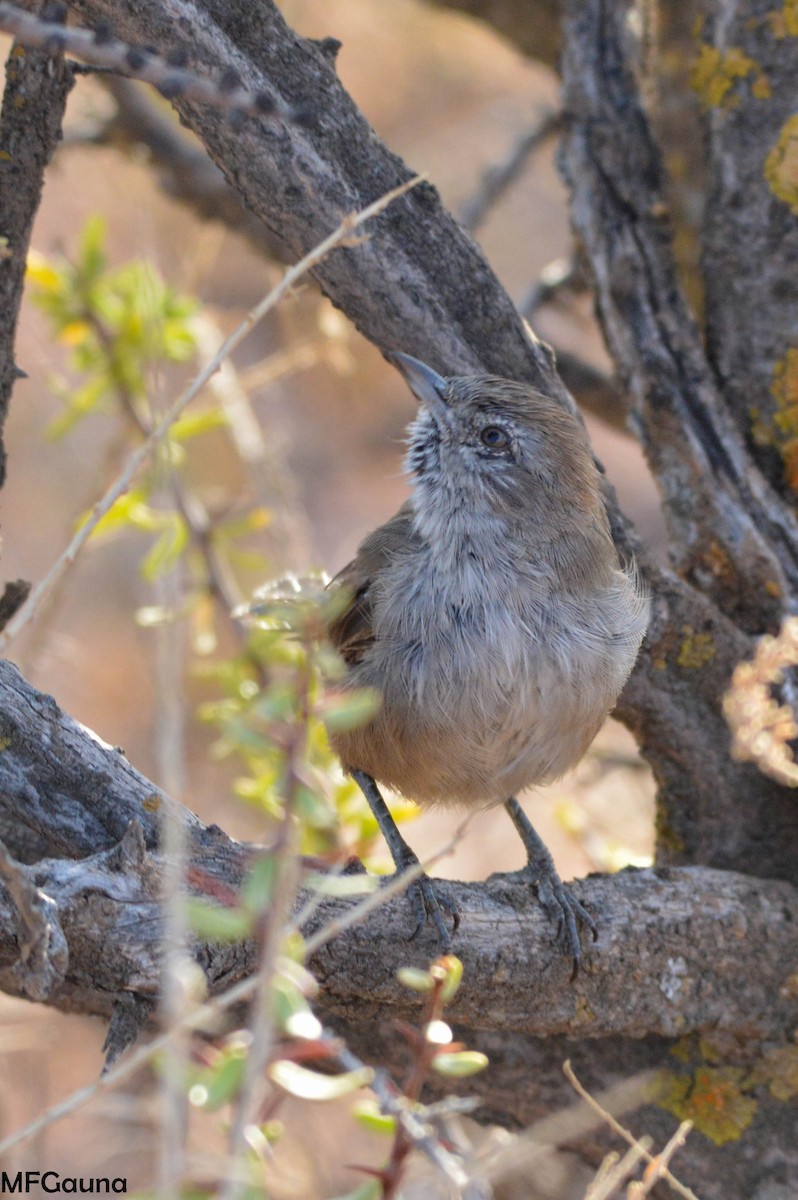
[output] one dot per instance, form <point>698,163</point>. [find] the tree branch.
<point>750,249</point>
<point>730,532</point>
<point>681,929</point>
<point>37,86</point>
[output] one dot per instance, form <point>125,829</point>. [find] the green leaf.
<point>252,521</point>
<point>310,1085</point>
<point>123,512</point>
<point>194,424</point>
<point>460,1063</point>
<point>258,887</point>
<point>288,1005</point>
<point>222,1080</point>
<point>367,1113</point>
<point>350,709</point>
<point>79,403</point>
<point>416,979</point>
<point>342,885</point>
<point>313,809</point>
<point>454,974</point>
<point>169,546</point>
<point>217,924</point>
<point>91,252</point>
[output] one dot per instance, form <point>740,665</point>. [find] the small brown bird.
<point>493,616</point>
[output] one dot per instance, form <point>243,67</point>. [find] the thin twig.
<point>274,921</point>
<point>556,276</point>
<point>176,971</point>
<point>139,456</point>
<point>498,178</point>
<point>171,78</point>
<point>657,1169</point>
<point>628,1137</point>
<point>614,1171</point>
<point>409,1115</point>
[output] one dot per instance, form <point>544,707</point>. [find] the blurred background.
<point>453,100</point>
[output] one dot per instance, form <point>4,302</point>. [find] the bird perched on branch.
<point>493,616</point>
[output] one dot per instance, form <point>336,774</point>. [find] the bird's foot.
<point>559,905</point>
<point>430,905</point>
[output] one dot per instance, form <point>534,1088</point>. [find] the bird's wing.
<point>352,631</point>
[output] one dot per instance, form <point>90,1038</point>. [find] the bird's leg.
<point>428,905</point>
<point>556,899</point>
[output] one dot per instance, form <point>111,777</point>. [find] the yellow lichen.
<point>780,428</point>
<point>761,89</point>
<point>715,74</point>
<point>712,1098</point>
<point>781,164</point>
<point>718,561</point>
<point>784,23</point>
<point>784,391</point>
<point>696,649</point>
<point>667,837</point>
<point>778,1068</point>
<point>584,1014</point>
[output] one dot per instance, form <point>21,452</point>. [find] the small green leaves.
<point>415,979</point>
<point>460,1063</point>
<point>310,1085</point>
<point>218,1082</point>
<point>214,923</point>
<point>341,711</point>
<point>342,885</point>
<point>444,974</point>
<point>117,323</point>
<point>449,970</point>
<point>367,1112</point>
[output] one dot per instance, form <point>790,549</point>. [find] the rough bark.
<point>37,86</point>
<point>750,228</point>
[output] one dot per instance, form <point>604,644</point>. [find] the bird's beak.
<point>428,387</point>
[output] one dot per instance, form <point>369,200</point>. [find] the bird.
<point>493,616</point>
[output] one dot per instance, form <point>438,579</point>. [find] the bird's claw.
<point>559,905</point>
<point>429,906</point>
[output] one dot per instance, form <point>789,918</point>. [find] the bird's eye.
<point>494,437</point>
